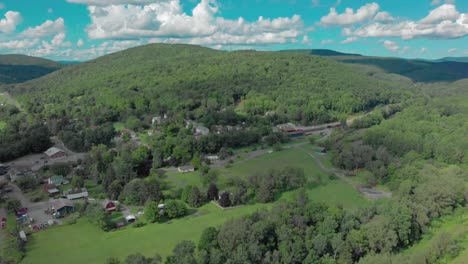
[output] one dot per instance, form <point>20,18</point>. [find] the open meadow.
<point>85,243</point>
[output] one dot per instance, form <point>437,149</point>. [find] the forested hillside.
<point>446,69</point>
<point>20,68</point>
<point>161,78</point>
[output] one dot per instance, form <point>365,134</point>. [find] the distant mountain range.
<point>16,68</point>
<point>445,69</point>
<point>455,59</point>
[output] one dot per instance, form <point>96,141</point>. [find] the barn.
<point>55,153</point>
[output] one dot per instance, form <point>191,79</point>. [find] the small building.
<point>109,205</point>
<point>73,194</point>
<point>291,131</point>
<point>185,169</point>
<point>130,219</point>
<point>22,235</point>
<point>161,206</point>
<point>51,189</point>
<point>57,180</point>
<point>55,153</point>
<point>62,207</point>
<point>212,157</point>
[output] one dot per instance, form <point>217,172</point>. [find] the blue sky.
<point>85,29</point>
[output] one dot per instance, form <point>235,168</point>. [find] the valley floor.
<point>84,243</point>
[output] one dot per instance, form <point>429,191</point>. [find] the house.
<point>57,180</point>
<point>199,129</point>
<point>109,205</point>
<point>51,189</point>
<point>185,169</point>
<point>73,194</point>
<point>55,153</point>
<point>62,207</point>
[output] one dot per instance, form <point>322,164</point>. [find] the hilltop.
<point>160,78</point>
<point>455,59</point>
<point>15,68</point>
<point>322,52</point>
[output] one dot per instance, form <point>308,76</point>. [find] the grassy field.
<point>86,243</point>
<point>9,250</point>
<point>183,179</point>
<point>326,189</point>
<point>2,124</point>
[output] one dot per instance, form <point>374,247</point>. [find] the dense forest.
<point>251,89</point>
<point>419,153</point>
<point>157,79</point>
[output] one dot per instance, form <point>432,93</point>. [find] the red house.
<point>109,206</point>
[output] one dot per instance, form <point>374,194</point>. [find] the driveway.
<point>35,210</point>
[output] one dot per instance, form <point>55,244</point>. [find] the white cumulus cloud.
<point>19,44</point>
<point>444,22</point>
<point>167,20</point>
<point>47,29</point>
<point>443,12</point>
<point>11,20</point>
<point>350,40</point>
<point>114,2</point>
<point>349,17</point>
<point>390,45</point>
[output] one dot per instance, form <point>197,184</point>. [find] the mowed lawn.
<point>331,191</point>
<point>84,243</point>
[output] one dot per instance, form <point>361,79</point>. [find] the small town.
<point>233,132</point>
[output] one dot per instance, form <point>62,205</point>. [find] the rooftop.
<point>60,203</point>
<point>53,151</point>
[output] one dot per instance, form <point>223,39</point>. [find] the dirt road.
<point>369,192</point>
<point>11,100</point>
